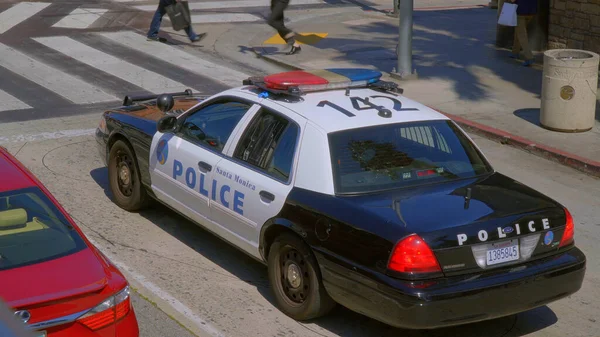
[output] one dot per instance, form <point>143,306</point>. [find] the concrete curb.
<point>582,164</point>
<point>579,163</point>
<point>258,50</point>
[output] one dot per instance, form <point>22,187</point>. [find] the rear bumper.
<point>456,300</point>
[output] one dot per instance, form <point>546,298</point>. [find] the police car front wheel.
<point>124,179</point>
<point>295,279</point>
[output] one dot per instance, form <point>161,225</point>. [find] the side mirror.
<point>165,102</point>
<point>167,124</point>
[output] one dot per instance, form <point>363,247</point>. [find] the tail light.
<point>412,255</point>
<point>108,312</point>
<point>567,237</point>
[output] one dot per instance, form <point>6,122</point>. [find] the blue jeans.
<point>157,19</point>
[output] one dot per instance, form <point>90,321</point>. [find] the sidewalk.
<point>461,73</point>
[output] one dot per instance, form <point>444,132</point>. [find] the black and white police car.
<point>350,193</point>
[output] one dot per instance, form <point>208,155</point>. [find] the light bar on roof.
<point>322,79</point>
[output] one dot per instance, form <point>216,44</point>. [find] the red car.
<point>54,279</point>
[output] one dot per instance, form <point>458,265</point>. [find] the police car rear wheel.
<point>124,178</point>
<point>295,279</point>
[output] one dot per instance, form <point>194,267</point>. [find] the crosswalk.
<point>95,54</point>
<point>69,62</point>
<point>228,11</point>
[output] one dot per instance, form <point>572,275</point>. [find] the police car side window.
<point>212,125</point>
<point>269,144</point>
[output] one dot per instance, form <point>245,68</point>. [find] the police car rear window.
<point>401,155</point>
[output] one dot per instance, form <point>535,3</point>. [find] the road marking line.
<point>301,38</point>
<point>229,4</point>
<point>224,17</point>
<point>19,13</point>
<point>80,18</point>
<point>143,78</point>
<point>8,102</point>
<point>46,136</point>
<point>200,323</point>
<point>178,57</point>
<point>63,84</point>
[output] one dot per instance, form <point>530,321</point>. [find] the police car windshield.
<point>33,230</point>
<point>401,155</point>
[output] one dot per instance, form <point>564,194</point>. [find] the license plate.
<point>502,252</point>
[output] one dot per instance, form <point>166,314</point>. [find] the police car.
<point>350,193</point>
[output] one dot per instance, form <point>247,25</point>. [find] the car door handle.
<point>204,165</point>
<point>267,195</point>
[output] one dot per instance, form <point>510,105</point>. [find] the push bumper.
<point>456,300</point>
<point>101,145</point>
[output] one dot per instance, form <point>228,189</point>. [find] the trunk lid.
<point>55,288</point>
<point>464,221</point>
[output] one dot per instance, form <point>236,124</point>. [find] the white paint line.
<point>8,102</point>
<point>65,85</point>
<point>46,136</point>
<point>231,4</point>
<point>19,13</point>
<point>222,18</point>
<point>178,57</point>
<point>124,70</point>
<point>200,323</point>
<point>80,18</point>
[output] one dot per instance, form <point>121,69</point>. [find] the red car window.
<point>33,230</point>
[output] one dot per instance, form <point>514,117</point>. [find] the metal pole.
<point>405,29</point>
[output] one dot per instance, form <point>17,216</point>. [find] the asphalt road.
<point>213,289</point>
<point>192,276</point>
<point>155,323</point>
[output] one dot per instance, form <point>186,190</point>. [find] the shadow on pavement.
<point>455,45</point>
<point>340,321</point>
<point>530,115</point>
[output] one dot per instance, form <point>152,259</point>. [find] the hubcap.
<point>124,174</point>
<point>124,178</point>
<point>293,275</point>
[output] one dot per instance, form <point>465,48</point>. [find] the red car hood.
<point>67,276</point>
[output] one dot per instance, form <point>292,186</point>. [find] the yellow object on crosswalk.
<point>302,38</point>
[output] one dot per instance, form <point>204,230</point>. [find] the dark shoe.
<point>528,63</point>
<point>513,56</point>
<point>198,37</point>
<point>156,38</point>
<point>294,50</point>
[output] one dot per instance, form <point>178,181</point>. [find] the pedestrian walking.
<point>157,19</point>
<point>526,10</point>
<point>276,21</point>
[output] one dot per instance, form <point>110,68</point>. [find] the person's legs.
<point>157,19</point>
<point>516,46</point>
<point>276,20</point>
<point>521,33</point>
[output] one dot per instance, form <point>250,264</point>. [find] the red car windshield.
<point>384,157</point>
<point>33,230</point>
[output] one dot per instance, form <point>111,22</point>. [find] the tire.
<point>127,190</point>
<point>311,299</point>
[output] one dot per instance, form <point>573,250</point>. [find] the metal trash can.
<point>569,89</point>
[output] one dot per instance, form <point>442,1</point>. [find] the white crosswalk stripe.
<point>112,65</point>
<point>177,57</point>
<point>207,5</point>
<point>8,102</point>
<point>59,82</point>
<point>19,13</point>
<point>97,73</point>
<point>80,18</point>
